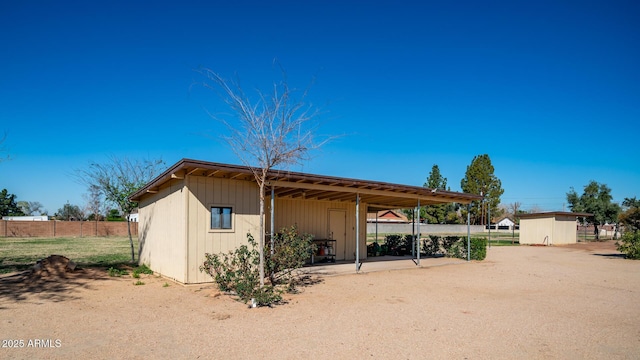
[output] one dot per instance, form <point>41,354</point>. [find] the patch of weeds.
<point>142,269</point>
<point>138,283</point>
<point>114,272</point>
<point>165,285</point>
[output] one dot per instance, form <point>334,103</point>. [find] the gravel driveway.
<point>579,302</point>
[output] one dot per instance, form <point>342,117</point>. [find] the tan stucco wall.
<point>162,230</point>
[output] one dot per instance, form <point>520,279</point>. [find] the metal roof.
<point>553,213</point>
<point>288,184</point>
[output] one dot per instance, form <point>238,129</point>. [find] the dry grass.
<point>20,253</point>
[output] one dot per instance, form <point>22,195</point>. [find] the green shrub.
<point>142,269</point>
<point>138,283</point>
<point>291,251</point>
<point>456,246</point>
<point>629,245</point>
<point>392,241</point>
<point>407,243</point>
<point>113,272</point>
<point>238,272</point>
<point>478,248</point>
<point>457,249</point>
<point>449,241</point>
<point>432,246</point>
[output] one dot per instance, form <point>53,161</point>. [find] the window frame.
<point>232,218</point>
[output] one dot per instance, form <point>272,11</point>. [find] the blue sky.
<point>549,89</point>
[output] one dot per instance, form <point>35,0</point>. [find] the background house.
<point>505,223</point>
<point>387,216</point>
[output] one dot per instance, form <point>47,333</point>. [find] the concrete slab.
<point>379,263</point>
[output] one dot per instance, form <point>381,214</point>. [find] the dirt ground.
<point>580,301</point>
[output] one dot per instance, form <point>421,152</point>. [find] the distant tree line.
<point>479,179</point>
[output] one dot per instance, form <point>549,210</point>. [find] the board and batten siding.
<point>205,192</point>
<point>312,217</point>
<point>161,232</point>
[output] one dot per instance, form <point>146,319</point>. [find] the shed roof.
<point>289,184</point>
<point>552,213</point>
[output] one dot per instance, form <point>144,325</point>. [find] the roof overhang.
<point>287,184</point>
<point>553,214</point>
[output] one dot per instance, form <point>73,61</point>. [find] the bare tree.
<point>117,179</point>
<point>535,209</point>
<point>274,130</point>
<point>514,210</point>
<point>30,208</point>
<point>95,205</point>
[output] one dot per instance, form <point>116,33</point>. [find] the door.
<point>338,231</point>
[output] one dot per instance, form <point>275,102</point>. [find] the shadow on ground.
<point>612,256</point>
<point>32,286</point>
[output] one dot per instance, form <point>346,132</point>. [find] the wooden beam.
<point>432,199</point>
<point>192,171</point>
<point>178,175</point>
<point>237,176</point>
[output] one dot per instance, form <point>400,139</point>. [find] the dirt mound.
<point>54,266</point>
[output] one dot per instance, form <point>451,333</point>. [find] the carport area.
<point>334,210</point>
<point>377,264</point>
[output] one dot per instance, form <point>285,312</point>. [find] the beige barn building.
<point>197,207</point>
<point>549,228</point>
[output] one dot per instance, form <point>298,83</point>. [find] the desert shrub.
<point>456,246</point>
<point>432,246</point>
<point>291,251</point>
<point>238,272</point>
<point>457,249</point>
<point>448,241</point>
<point>374,249</point>
<point>407,242</point>
<point>478,248</point>
<point>392,241</point>
<point>629,245</point>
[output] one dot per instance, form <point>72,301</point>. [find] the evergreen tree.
<point>479,179</point>
<point>440,213</point>
<point>8,204</point>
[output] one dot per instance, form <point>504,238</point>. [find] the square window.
<point>221,217</point>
